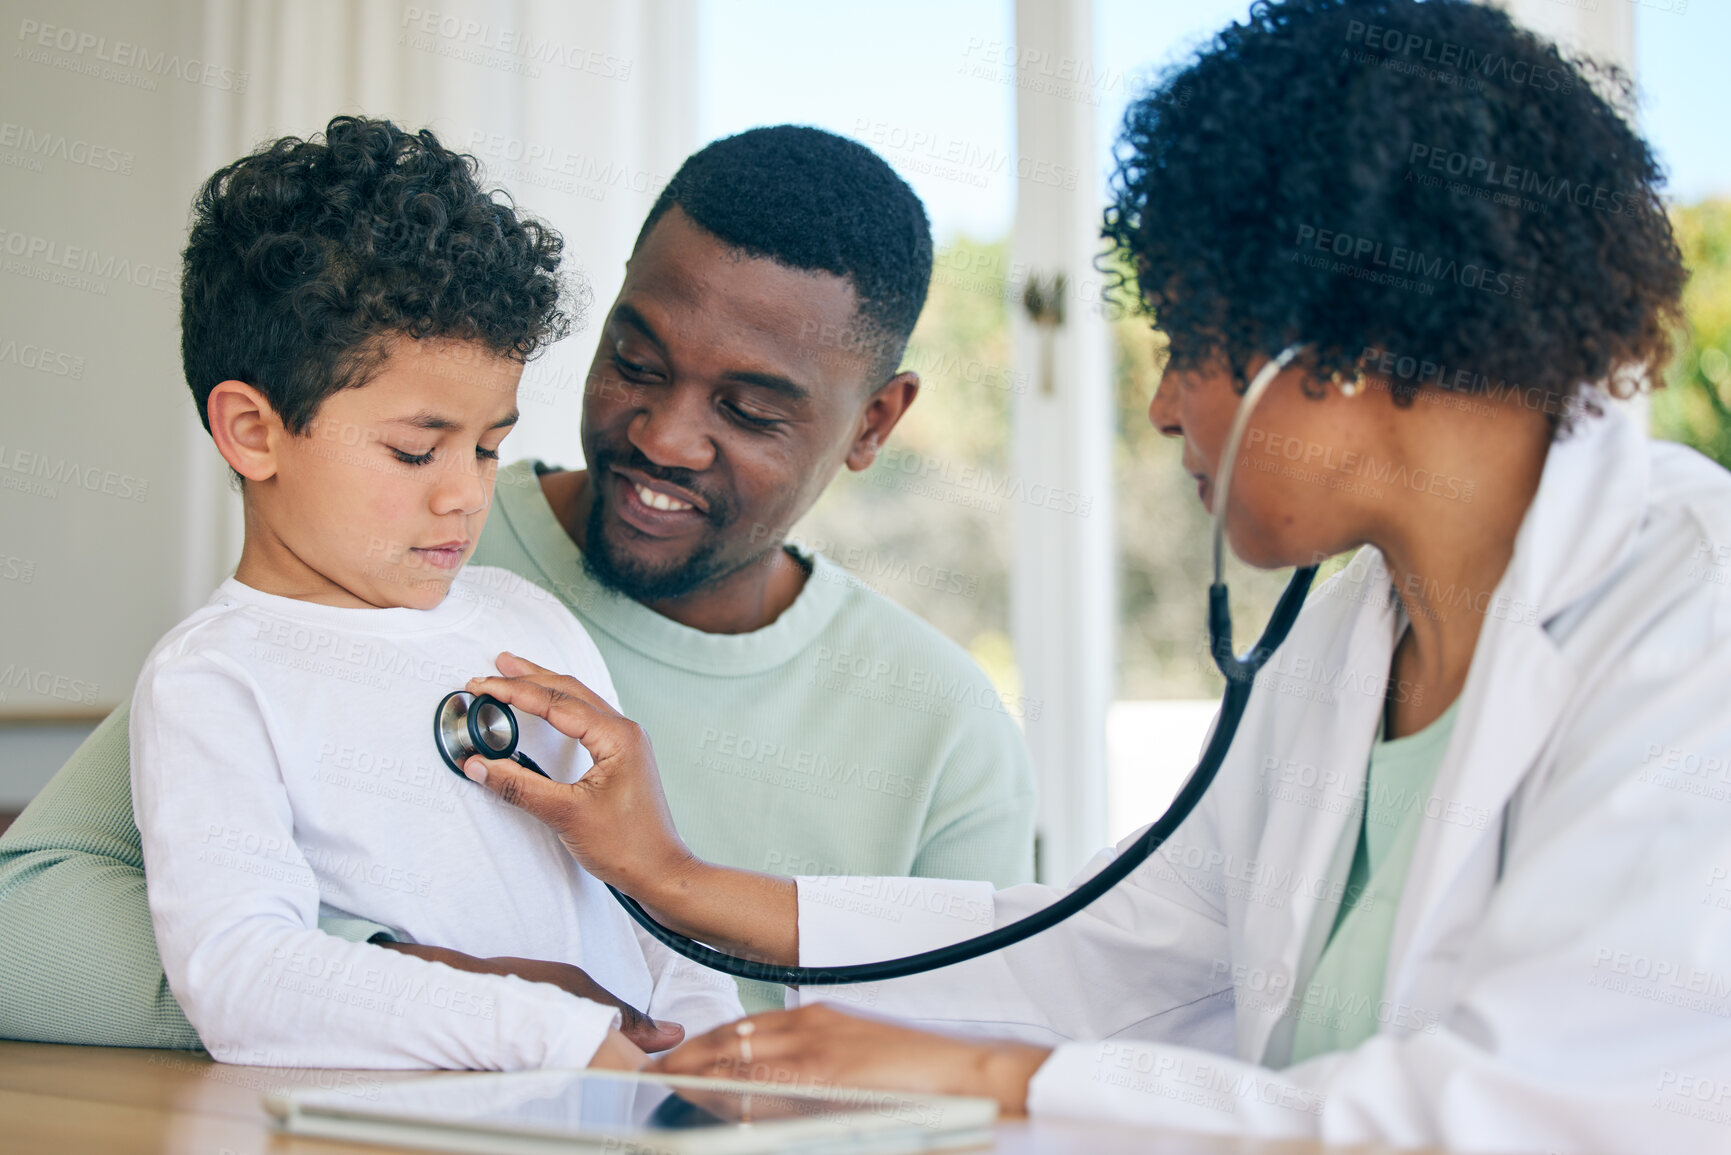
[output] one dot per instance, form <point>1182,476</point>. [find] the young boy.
<point>356,312</point>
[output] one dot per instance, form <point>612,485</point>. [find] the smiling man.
<point>802,723</point>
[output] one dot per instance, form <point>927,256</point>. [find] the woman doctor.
<point>1465,877</point>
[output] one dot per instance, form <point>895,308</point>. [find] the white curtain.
<point>582,110</point>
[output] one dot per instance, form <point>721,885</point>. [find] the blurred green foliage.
<point>1695,405</point>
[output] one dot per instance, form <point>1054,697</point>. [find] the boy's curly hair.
<point>1408,184</point>
<point>305,256</point>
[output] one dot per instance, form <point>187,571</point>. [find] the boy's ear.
<point>245,428</point>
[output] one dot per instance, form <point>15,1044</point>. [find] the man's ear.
<point>882,411</point>
<point>245,428</point>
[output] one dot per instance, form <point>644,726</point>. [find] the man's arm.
<point>77,951</point>
<point>981,821</point>
<point>75,940</point>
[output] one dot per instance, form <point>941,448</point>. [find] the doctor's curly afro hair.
<point>305,257</point>
<point>1417,188</point>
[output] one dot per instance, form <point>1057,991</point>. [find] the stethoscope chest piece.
<point>465,725</point>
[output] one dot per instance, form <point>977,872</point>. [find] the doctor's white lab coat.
<point>1560,971</point>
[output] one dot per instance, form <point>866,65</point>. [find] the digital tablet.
<point>538,1112</point>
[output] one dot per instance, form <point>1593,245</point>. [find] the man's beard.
<point>619,572</point>
<point>623,574</point>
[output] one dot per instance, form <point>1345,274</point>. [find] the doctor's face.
<point>1297,492</point>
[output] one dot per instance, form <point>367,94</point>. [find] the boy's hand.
<point>642,1031</point>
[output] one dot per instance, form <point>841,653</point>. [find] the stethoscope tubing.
<point>1240,673</point>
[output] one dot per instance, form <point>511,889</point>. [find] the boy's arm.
<point>234,904</point>
<point>76,945</point>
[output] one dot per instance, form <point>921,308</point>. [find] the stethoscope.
<point>465,725</point>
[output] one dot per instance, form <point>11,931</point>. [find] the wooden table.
<point>116,1101</point>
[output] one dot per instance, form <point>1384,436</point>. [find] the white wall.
<point>115,517</point>
<point>1151,748</point>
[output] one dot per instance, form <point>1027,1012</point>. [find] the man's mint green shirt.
<point>1343,1003</point>
<point>847,736</point>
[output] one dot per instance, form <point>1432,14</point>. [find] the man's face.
<point>725,393</point>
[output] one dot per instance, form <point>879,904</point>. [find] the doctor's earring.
<point>1348,386</point>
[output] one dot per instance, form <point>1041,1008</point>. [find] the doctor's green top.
<point>1343,1005</point>
<point>846,737</point>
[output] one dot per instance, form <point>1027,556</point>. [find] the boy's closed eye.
<point>482,453</point>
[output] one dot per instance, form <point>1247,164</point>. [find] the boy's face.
<point>382,500</point>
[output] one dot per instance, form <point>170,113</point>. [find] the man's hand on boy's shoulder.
<point>636,1026</point>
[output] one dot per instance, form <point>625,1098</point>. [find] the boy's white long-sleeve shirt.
<point>284,764</point>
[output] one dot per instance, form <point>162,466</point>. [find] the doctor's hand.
<point>615,822</point>
<point>819,1046</point>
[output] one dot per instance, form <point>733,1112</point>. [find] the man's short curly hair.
<point>1399,183</point>
<point>817,202</point>
<point>307,255</point>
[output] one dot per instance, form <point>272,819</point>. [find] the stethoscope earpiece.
<point>465,725</point>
